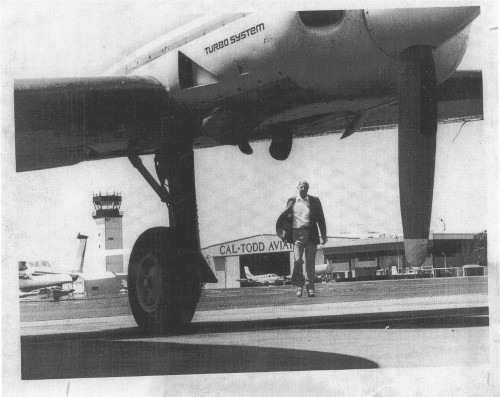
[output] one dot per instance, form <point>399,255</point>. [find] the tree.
<point>480,251</point>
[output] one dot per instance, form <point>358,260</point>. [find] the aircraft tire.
<point>162,295</point>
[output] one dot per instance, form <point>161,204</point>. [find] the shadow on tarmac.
<point>432,319</point>
<point>111,353</point>
<point>105,355</point>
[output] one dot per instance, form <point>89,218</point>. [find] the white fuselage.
<point>243,53</point>
<point>266,278</point>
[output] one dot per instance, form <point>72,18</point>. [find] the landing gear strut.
<point>166,268</point>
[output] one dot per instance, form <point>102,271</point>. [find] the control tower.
<point>109,233</point>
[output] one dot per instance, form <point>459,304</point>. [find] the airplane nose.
<point>398,29</point>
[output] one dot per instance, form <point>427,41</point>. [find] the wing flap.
<point>62,122</point>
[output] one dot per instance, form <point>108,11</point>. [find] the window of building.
<point>220,264</point>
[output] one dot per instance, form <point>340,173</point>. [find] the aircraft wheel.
<point>190,290</point>
<point>162,294</point>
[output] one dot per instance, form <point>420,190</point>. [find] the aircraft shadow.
<point>446,318</point>
<point>117,352</point>
<point>96,355</point>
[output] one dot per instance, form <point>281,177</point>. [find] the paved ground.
<point>282,296</point>
<point>415,326</point>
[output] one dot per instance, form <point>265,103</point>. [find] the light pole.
<point>444,259</point>
<point>444,224</point>
<point>397,246</point>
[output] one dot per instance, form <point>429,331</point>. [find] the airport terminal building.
<point>347,257</point>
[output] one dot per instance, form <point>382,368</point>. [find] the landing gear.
<point>57,293</point>
<point>163,289</point>
<point>166,269</point>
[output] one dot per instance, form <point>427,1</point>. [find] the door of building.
<point>278,263</point>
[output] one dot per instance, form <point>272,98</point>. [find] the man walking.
<point>298,224</point>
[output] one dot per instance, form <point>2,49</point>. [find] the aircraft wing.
<point>245,281</point>
<point>56,291</point>
<point>62,122</point>
<point>43,281</point>
<point>30,293</point>
<point>460,98</point>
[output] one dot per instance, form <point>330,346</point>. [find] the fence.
<point>465,271</point>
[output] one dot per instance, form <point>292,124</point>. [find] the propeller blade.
<point>417,148</point>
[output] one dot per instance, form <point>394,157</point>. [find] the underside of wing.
<point>460,98</point>
<point>62,122</point>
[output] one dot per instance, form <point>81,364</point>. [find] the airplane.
<point>237,78</point>
<point>37,278</point>
<point>261,279</point>
<point>323,272</point>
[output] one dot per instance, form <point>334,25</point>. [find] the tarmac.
<point>358,311</point>
<point>414,344</point>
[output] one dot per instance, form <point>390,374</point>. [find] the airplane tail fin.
<point>80,254</point>
<point>247,273</point>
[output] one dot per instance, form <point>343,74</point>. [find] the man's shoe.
<point>299,292</point>
<point>310,293</point>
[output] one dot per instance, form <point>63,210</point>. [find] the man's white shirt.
<point>301,213</point>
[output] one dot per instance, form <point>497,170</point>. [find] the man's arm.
<point>284,223</point>
<point>321,222</point>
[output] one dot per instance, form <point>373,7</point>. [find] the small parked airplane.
<point>262,279</point>
<point>38,277</point>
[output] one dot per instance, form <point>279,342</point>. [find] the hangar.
<point>350,256</point>
<point>264,253</point>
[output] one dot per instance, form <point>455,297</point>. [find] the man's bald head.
<point>303,188</point>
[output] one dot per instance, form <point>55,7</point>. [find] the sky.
<point>238,195</point>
